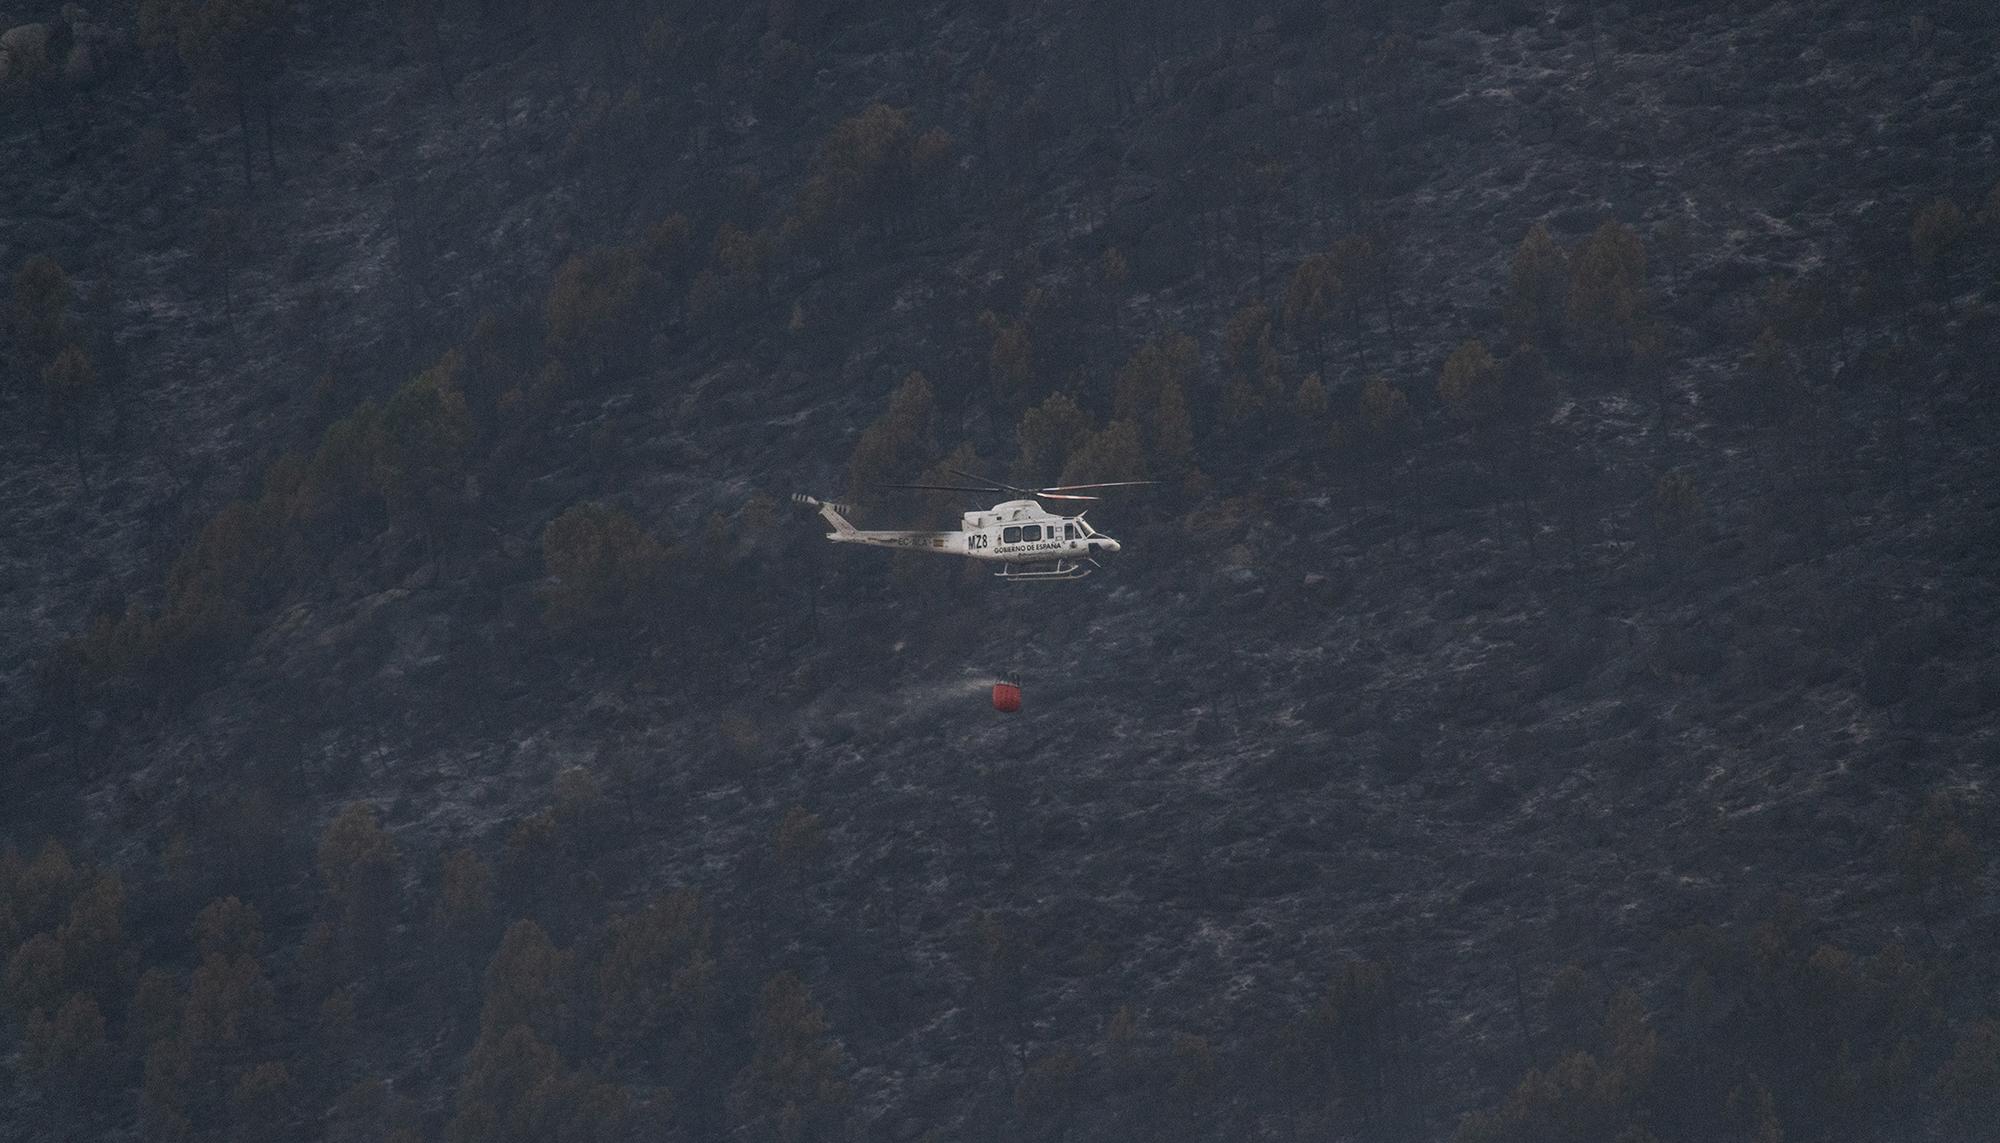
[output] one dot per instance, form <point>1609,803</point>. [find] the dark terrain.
<point>1599,752</point>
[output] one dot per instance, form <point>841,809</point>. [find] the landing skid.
<point>1063,569</point>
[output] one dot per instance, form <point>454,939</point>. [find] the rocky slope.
<point>1329,711</point>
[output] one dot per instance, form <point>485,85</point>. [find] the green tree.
<point>95,958</point>
<point>425,436</point>
<point>231,1006</point>
<point>1313,298</point>
<point>1937,242</point>
<point>155,1011</point>
<point>1382,405</point>
<point>1115,453</point>
<point>1607,293</point>
<point>163,1092</point>
<point>68,1051</point>
<point>1010,363</point>
<point>1150,392</point>
<point>1354,1024</point>
<point>260,1104</point>
<point>656,976</point>
<point>1538,288</point>
<point>337,496</point>
<point>1969,1082</point>
<point>527,983</point>
<point>793,1088</point>
<point>359,868</point>
<point>1939,862</point>
<point>40,315</point>
<point>1255,379</point>
<point>605,572</point>
<point>594,301</point>
<point>1362,265</point>
<point>228,928</point>
<point>28,71</point>
<point>864,174</point>
<point>899,442</point>
<point>1048,434</point>
<point>1310,403</point>
<point>1470,383</point>
<point>735,276</point>
<point>517,1090</point>
<point>463,913</point>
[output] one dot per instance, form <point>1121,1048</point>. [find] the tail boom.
<point>844,532</point>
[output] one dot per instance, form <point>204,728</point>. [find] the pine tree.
<point>1538,288</point>
<point>359,867</point>
<point>1010,363</point>
<point>1048,434</point>
<point>655,975</point>
<point>606,574</point>
<point>901,441</point>
<point>228,928</point>
<point>594,300</point>
<point>794,1086</point>
<point>527,984</point>
<point>1313,298</point>
<point>425,441</point>
<point>1937,241</point>
<point>40,318</point>
<point>1607,293</point>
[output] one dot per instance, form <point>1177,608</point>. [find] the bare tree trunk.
<point>243,132</point>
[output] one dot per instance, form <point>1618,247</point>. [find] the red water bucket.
<point>1006,697</point>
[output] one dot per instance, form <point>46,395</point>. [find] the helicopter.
<point>1029,542</point>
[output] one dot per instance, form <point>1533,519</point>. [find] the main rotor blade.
<point>1063,496</point>
<point>1113,484</point>
<point>942,487</point>
<point>997,485</point>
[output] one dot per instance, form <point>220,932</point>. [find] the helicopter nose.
<point>1105,544</point>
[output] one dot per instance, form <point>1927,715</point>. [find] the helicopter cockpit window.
<point>1010,535</point>
<point>1031,533</point>
<point>1069,531</point>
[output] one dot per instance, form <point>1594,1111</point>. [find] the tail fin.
<point>831,512</point>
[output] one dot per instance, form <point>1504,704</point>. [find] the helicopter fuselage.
<point>1018,532</point>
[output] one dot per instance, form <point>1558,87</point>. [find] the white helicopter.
<point>1029,542</point>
